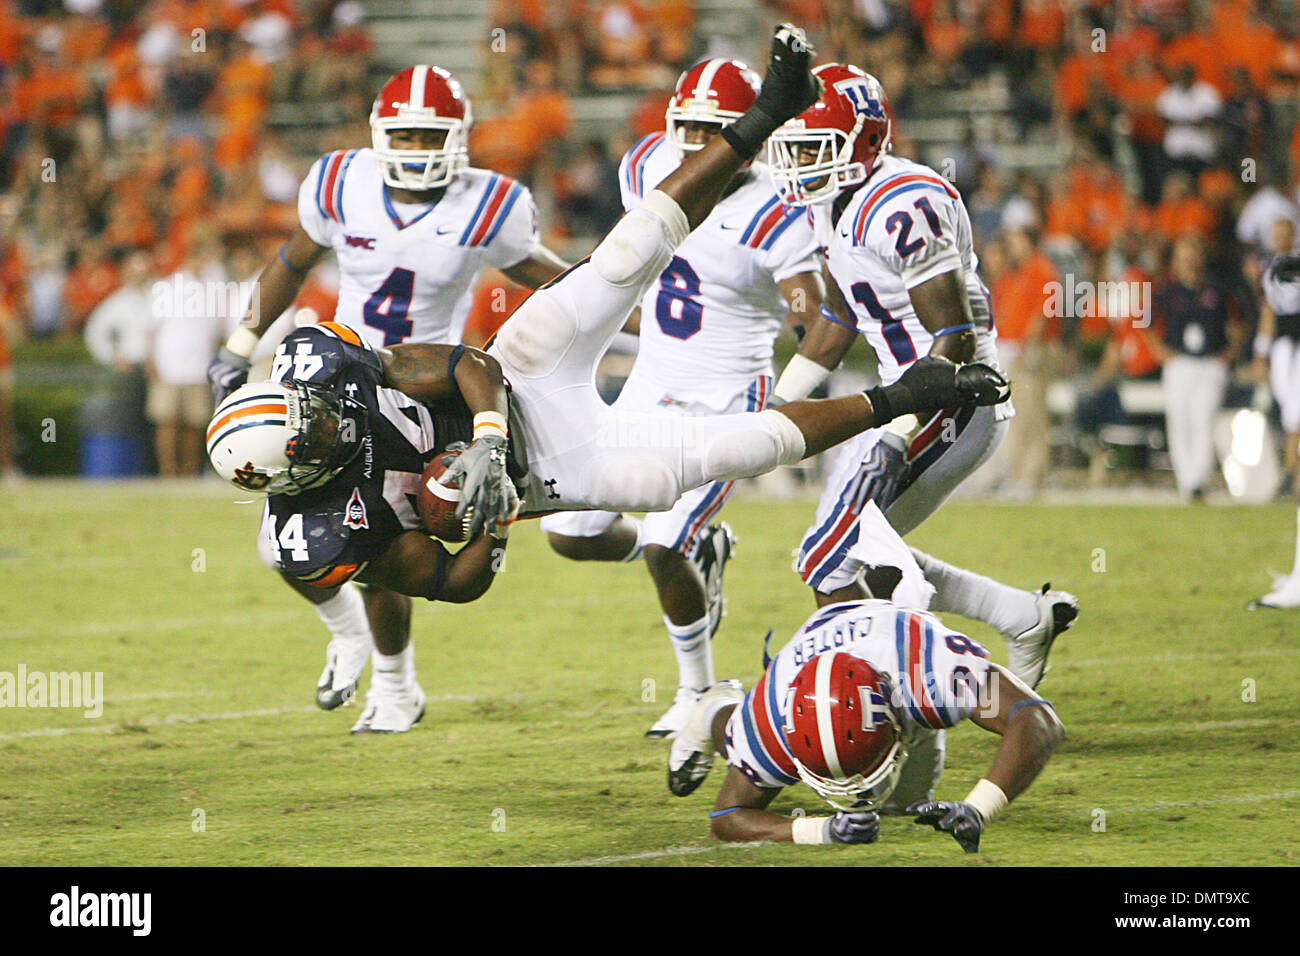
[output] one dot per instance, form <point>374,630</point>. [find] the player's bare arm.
<point>418,566</point>
<point>829,333</point>
<point>276,288</point>
<point>537,269</point>
<point>1030,732</point>
<point>804,292</point>
<point>943,306</point>
<point>432,373</point>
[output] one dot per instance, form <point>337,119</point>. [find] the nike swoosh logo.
<point>725,226</point>
<point>443,232</point>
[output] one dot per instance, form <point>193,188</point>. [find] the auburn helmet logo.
<point>247,477</point>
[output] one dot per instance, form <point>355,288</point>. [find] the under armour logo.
<point>351,389</point>
<point>550,488</point>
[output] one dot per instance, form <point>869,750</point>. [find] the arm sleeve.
<point>315,223</point>
<point>518,235</point>
<point>905,238</point>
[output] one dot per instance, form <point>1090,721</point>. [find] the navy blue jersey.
<point>1196,320</point>
<point>326,535</point>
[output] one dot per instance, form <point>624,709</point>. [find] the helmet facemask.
<point>328,432</point>
<point>861,791</point>
<point>803,180</point>
<point>677,118</point>
<point>420,170</point>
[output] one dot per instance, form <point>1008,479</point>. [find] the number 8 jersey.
<point>708,324</point>
<point>905,225</point>
<point>407,271</point>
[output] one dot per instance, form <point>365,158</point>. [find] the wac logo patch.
<point>865,95</point>
<point>354,515</point>
<point>360,242</point>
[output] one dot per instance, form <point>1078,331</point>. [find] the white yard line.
<point>657,854</point>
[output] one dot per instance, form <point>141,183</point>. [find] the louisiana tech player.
<point>706,329</point>
<point>898,244</point>
<point>411,224</point>
<point>579,453</point>
<point>856,705</point>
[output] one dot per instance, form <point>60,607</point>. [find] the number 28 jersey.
<point>905,225</point>
<point>938,679</point>
<point>708,324</point>
<point>407,272</point>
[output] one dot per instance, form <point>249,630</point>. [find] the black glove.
<point>960,819</point>
<point>788,89</point>
<point>485,487</point>
<point>860,826</point>
<point>226,373</point>
<point>933,383</point>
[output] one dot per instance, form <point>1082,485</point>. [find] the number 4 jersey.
<point>406,272</point>
<point>938,676</point>
<point>708,324</point>
<point>904,226</point>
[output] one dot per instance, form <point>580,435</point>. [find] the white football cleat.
<point>391,713</point>
<point>675,717</point>
<point>345,661</point>
<point>1285,594</point>
<point>711,557</point>
<point>1027,652</point>
<point>691,757</point>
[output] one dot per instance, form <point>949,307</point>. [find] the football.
<point>437,503</point>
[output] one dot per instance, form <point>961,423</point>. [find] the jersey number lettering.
<point>677,309</point>
<point>896,337</point>
<point>291,538</point>
<point>303,362</point>
<point>386,309</point>
<point>901,222</point>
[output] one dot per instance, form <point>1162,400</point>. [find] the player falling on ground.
<point>338,437</point>
<point>856,705</point>
<point>412,224</point>
<point>706,332</point>
<point>898,245</point>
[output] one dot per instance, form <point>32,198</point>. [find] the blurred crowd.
<point>1147,142</point>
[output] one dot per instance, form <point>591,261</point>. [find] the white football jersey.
<point>407,272</point>
<point>905,225</point>
<point>938,676</point>
<point>708,324</point>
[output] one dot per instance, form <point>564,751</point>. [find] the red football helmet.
<point>842,731</point>
<point>712,91</point>
<point>849,129</point>
<point>421,97</point>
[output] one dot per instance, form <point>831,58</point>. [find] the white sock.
<point>1009,611</point>
<point>345,614</point>
<point>393,673</point>
<point>639,548</point>
<point>694,655</point>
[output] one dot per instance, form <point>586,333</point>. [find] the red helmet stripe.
<point>770,734</point>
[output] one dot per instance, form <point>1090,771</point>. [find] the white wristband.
<point>1262,345</point>
<point>809,830</point>
<point>488,423</point>
<point>242,342</point>
<point>800,377</point>
<point>987,797</point>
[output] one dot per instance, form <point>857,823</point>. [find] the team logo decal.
<point>246,477</point>
<point>864,93</point>
<point>360,242</point>
<point>354,515</point>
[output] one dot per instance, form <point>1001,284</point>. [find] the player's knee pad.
<point>641,245</point>
<point>634,483</point>
<point>753,444</point>
<point>536,338</point>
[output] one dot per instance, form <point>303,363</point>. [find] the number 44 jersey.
<point>708,324</point>
<point>406,271</point>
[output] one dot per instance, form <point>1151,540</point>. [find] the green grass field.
<point>532,752</point>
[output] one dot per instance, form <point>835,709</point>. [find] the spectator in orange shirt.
<point>1181,212</point>
<point>1027,306</point>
